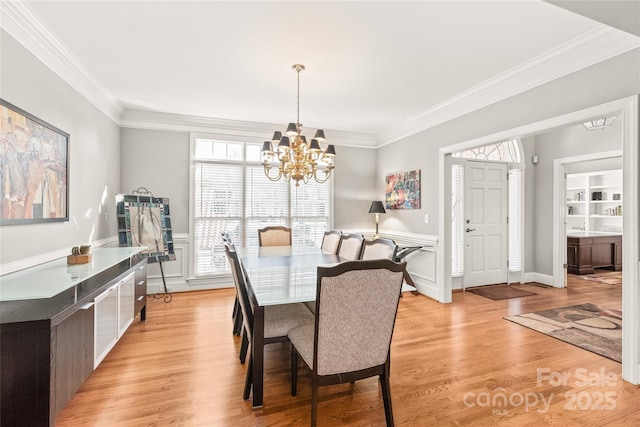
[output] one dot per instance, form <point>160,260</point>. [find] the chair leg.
<point>236,307</point>
<point>294,371</point>
<point>244,346</point>
<point>248,382</point>
<point>237,323</point>
<point>386,397</point>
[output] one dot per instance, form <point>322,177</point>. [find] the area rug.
<point>498,292</point>
<point>588,326</point>
<point>609,278</point>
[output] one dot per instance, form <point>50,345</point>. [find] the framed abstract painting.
<point>34,166</point>
<point>402,190</point>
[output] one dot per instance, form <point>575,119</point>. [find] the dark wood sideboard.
<point>584,253</point>
<point>47,344</point>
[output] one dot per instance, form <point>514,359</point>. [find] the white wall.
<point>94,158</point>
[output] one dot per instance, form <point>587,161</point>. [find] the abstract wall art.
<point>402,190</point>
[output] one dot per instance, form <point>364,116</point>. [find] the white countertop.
<point>49,279</point>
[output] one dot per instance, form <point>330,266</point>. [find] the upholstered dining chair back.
<point>350,246</point>
<point>274,236</point>
<point>331,241</point>
<point>356,313</point>
<point>241,288</point>
<point>379,249</point>
<point>356,307</point>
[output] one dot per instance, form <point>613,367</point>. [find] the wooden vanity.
<point>589,250</point>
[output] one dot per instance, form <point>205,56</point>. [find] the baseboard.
<point>544,279</point>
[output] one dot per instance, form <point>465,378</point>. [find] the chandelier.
<point>296,158</point>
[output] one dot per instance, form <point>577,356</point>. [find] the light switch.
<point>426,219</point>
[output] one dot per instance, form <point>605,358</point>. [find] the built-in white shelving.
<point>594,201</point>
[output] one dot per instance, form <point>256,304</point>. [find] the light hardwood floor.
<point>181,367</point>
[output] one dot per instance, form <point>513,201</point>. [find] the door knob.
<point>470,229</point>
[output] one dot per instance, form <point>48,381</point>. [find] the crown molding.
<point>19,20</point>
<point>259,132</point>
<point>593,47</point>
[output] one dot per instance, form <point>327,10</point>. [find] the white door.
<point>485,223</point>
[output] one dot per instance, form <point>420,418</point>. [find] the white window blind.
<point>457,222</point>
<point>515,220</point>
<point>218,207</point>
<point>232,194</point>
<point>309,213</point>
<point>266,203</point>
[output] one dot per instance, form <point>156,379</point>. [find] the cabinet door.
<point>106,323</point>
<point>72,356</point>
<point>126,299</point>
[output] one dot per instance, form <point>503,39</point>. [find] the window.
<point>457,222</point>
<point>232,194</point>
<point>505,151</point>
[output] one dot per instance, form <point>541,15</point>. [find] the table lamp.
<point>377,208</point>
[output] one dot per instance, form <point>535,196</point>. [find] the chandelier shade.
<point>293,157</point>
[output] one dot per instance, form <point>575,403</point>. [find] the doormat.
<point>498,292</point>
<point>588,326</point>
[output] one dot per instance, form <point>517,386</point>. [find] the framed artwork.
<point>403,190</point>
<point>34,168</point>
<point>144,220</point>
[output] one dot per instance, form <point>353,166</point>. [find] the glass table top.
<point>51,278</point>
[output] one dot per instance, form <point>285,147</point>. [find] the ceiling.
<point>377,68</point>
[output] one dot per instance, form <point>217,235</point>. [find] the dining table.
<point>281,275</point>
<point>278,275</point>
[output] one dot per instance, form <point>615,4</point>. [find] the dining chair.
<point>236,314</point>
<point>350,246</point>
<point>274,236</point>
<point>379,249</point>
<point>356,306</point>
<point>331,241</point>
<point>278,319</point>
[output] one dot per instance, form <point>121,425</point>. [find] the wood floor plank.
<point>181,367</point>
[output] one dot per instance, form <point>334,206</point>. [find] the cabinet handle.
<point>140,297</point>
<point>87,306</point>
<point>141,268</point>
<point>141,282</point>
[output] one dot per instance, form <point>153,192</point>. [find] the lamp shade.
<point>277,135</point>
<point>284,143</point>
<point>292,130</point>
<point>377,207</point>
<point>319,135</point>
<point>314,146</point>
<point>267,147</point>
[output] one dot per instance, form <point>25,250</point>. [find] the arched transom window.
<point>505,151</point>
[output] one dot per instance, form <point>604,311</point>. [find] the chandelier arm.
<point>327,175</point>
<point>267,168</point>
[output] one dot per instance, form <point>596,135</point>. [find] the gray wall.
<point>94,156</point>
<point>614,79</point>
<point>561,143</point>
<point>355,188</point>
<point>158,161</point>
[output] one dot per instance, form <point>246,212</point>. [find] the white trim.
<point>544,279</point>
<point>590,48</point>
<point>233,128</point>
<point>595,46</point>
<point>19,20</point>
<point>631,245</point>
